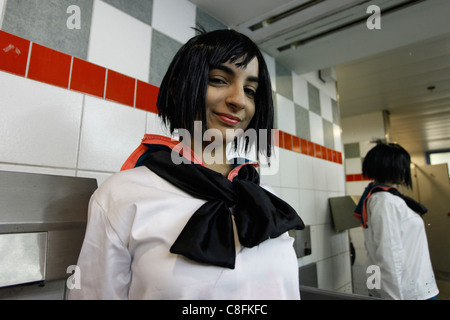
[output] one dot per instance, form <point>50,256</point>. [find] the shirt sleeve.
<point>104,261</point>
<point>385,225</point>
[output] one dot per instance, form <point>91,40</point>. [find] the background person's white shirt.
<point>396,241</point>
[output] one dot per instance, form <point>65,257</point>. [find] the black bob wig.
<point>182,94</point>
<point>388,163</point>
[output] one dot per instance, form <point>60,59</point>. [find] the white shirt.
<point>396,242</point>
<point>135,217</point>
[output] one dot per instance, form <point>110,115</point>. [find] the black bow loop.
<point>200,241</point>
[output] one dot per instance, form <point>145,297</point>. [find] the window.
<point>439,156</point>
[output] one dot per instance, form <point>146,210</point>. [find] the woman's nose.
<point>236,97</point>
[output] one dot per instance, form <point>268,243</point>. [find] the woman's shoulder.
<point>126,185</point>
<point>384,202</point>
<point>386,198</point>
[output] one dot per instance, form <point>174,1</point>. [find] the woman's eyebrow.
<point>232,73</point>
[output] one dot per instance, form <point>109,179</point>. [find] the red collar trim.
<point>175,145</point>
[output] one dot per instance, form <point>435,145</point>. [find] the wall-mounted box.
<point>302,241</point>
<point>342,209</point>
<point>42,225</point>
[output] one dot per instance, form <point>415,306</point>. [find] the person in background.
<point>173,224</point>
<point>394,231</point>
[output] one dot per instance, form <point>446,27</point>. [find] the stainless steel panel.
<point>37,202</point>
<point>23,257</point>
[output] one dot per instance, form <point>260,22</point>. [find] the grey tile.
<point>207,22</point>
<point>302,126</point>
<point>163,50</point>
<point>284,81</point>
<point>336,113</point>
<point>314,99</point>
<point>328,134</point>
<point>45,22</point>
<point>139,9</point>
<point>351,150</point>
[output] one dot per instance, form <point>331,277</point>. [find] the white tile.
<point>316,128</point>
<point>325,274</point>
<point>300,86</point>
<point>325,106</point>
<point>39,123</point>
<point>353,166</point>
<point>364,147</point>
<point>174,18</point>
<point>341,270</point>
<point>119,42</point>
<point>307,206</point>
<point>339,243</point>
<point>335,178</point>
<point>270,62</point>
<point>305,171</point>
<point>156,126</point>
<point>110,133</point>
<point>323,214</point>
<point>323,246</point>
<point>356,188</point>
<point>288,169</point>
<point>271,174</point>
<point>319,178</point>
<point>290,195</point>
<point>337,133</point>
<point>286,115</point>
<point>271,166</point>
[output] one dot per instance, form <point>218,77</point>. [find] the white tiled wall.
<point>46,129</point>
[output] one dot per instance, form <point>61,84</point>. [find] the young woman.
<point>394,231</point>
<point>176,225</point>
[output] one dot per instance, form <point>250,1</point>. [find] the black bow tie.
<point>208,236</point>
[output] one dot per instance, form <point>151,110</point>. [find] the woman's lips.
<point>228,118</point>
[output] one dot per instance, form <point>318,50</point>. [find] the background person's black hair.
<point>388,163</point>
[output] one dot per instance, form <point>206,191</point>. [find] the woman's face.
<point>230,97</point>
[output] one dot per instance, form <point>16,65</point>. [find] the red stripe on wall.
<point>88,78</point>
<point>356,177</point>
<point>146,96</point>
<point>13,53</point>
<point>120,88</point>
<point>49,66</point>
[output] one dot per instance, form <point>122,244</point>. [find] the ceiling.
<point>393,68</point>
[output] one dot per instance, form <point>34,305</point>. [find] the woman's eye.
<point>217,81</point>
<point>251,92</point>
